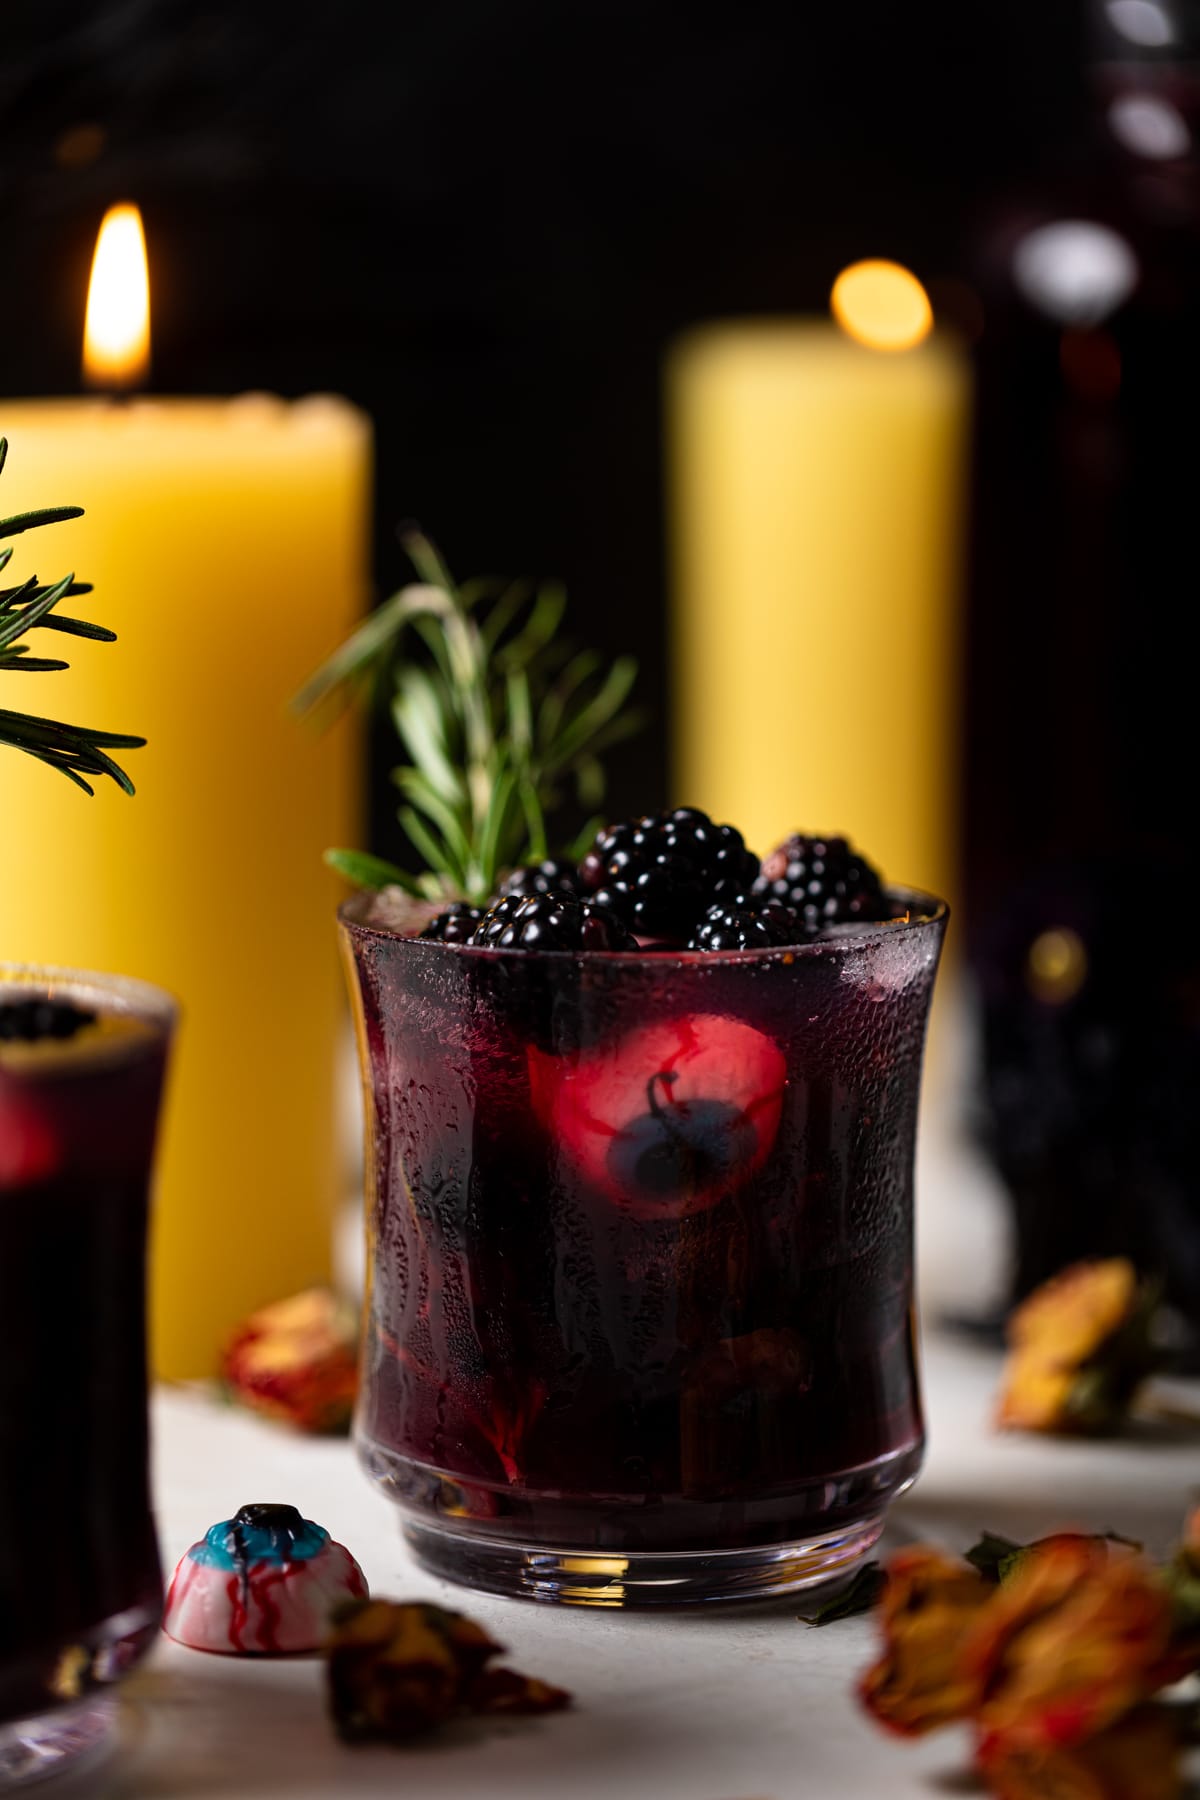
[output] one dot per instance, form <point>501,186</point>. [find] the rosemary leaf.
<point>497,717</point>
<point>416,787</point>
<point>436,852</point>
<point>545,617</point>
<point>45,515</point>
<point>503,614</point>
<point>18,622</point>
<point>598,711</point>
<point>40,665</point>
<point>367,871</point>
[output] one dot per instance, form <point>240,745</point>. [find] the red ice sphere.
<point>668,1119</point>
<point>29,1151</point>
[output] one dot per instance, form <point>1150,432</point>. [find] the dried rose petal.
<point>506,1691</point>
<point>398,1669</point>
<point>297,1361</point>
<point>1069,1642</point>
<point>930,1604</point>
<point>1079,1349</point>
<point>1137,1758</point>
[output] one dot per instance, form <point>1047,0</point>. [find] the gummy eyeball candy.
<point>669,1118</point>
<point>262,1583</point>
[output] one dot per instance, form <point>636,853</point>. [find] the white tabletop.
<point>748,1704</point>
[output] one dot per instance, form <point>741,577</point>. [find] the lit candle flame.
<point>881,305</point>
<point>116,335</point>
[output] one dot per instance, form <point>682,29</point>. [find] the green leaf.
<point>416,788</point>
<point>13,597</point>
<point>40,665</point>
<point>991,1552</point>
<point>495,847</point>
<point>83,628</point>
<point>375,639</point>
<point>536,848</point>
<point>520,713</point>
<point>420,725</point>
<point>503,613</point>
<point>861,1595</point>
<point>589,781</point>
<point>369,871</point>
<point>45,515</point>
<point>544,620</point>
<point>16,624</point>
<point>497,717</point>
<point>580,669</point>
<point>425,841</point>
<point>426,559</point>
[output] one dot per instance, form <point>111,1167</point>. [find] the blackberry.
<point>661,873</point>
<point>744,924</point>
<point>455,925</point>
<point>555,874</point>
<point>552,921</point>
<point>30,1020</point>
<point>824,880</point>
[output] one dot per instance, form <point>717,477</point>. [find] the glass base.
<point>643,1578</point>
<point>71,1738</point>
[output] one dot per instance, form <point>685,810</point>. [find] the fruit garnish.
<point>399,1669</point>
<point>454,924</point>
<point>554,874</point>
<point>29,1021</point>
<point>667,1119</point>
<point>824,880</point>
<point>746,926</point>
<point>660,873</point>
<point>502,724</point>
<point>76,751</point>
<point>551,921</point>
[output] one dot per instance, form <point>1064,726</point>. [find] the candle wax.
<point>226,541</point>
<point>816,492</point>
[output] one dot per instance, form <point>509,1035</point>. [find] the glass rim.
<point>922,910</point>
<point>128,993</point>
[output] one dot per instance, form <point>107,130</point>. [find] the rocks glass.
<point>80,1587</point>
<point>639,1320</point>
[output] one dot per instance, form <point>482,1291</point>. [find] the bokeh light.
<point>882,305</point>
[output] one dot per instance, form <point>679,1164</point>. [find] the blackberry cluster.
<point>557,874</point>
<point>661,873</point>
<point>455,925</point>
<point>746,924</point>
<point>824,880</point>
<point>550,921</point>
<point>27,1021</point>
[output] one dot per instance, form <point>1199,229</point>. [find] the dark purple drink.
<point>81,1070</point>
<point>641,1256</point>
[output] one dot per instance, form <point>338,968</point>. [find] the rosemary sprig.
<point>76,751</point>
<point>500,722</point>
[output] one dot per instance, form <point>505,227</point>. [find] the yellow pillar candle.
<point>816,489</point>
<point>227,544</point>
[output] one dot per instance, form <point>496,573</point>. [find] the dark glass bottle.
<point>1081,827</point>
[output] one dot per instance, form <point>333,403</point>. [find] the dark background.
<point>483,222</point>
